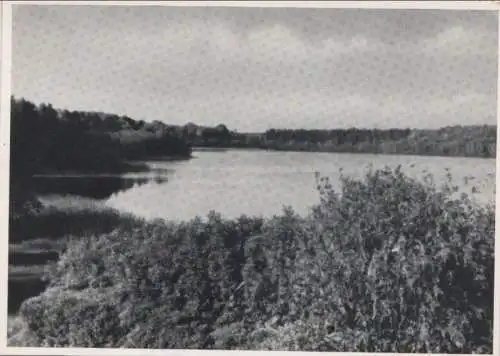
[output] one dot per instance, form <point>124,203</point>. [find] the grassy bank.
<point>39,235</point>
<point>388,264</point>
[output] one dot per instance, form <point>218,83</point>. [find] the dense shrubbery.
<point>387,264</point>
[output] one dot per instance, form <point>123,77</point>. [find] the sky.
<point>259,68</point>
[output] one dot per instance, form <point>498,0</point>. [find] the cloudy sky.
<point>257,68</point>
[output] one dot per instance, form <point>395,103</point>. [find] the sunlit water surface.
<point>249,182</point>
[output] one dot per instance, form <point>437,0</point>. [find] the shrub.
<point>70,319</point>
<point>388,264</point>
<point>400,267</point>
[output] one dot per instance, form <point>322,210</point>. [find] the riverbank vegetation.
<point>47,140</point>
<point>386,264</point>
<point>463,141</point>
<point>469,141</point>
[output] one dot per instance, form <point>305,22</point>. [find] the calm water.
<point>249,182</point>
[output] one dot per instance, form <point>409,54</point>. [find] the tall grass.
<point>60,217</point>
<point>388,264</point>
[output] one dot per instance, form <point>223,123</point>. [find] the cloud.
<point>255,68</point>
<point>459,41</point>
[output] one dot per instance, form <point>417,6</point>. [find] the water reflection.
<point>96,187</point>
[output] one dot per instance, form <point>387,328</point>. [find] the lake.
<point>254,182</point>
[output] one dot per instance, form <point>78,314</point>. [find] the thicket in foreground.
<point>389,264</point>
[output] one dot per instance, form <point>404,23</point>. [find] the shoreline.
<point>141,166</point>
<point>410,154</point>
<point>131,166</point>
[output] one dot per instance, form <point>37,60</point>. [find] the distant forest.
<point>466,141</point>
<point>45,139</point>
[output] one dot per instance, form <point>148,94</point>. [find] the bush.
<point>70,318</point>
<point>400,267</point>
<point>389,264</point>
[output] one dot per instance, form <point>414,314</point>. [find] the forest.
<point>465,141</point>
<point>44,140</point>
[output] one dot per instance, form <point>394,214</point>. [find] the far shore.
<point>142,166</point>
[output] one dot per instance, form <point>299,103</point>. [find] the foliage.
<point>143,144</point>
<point>52,222</point>
<point>469,141</point>
<point>388,264</point>
<point>19,334</point>
<point>45,140</point>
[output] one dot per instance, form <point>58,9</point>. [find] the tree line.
<point>465,141</point>
<point>44,139</point>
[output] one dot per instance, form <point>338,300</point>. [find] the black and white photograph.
<point>251,177</point>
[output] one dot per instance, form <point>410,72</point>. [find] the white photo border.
<point>5,77</point>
